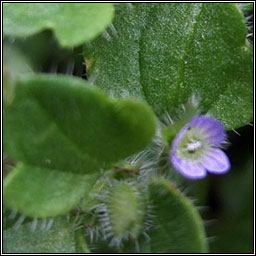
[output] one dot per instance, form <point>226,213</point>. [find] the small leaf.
<point>166,52</point>
<point>59,239</point>
<point>125,210</point>
<point>72,23</point>
<point>60,123</point>
<point>41,193</point>
<point>177,227</point>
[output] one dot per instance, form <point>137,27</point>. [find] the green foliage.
<point>59,239</point>
<point>69,130</point>
<point>125,210</point>
<point>72,23</point>
<point>14,61</point>
<point>105,161</point>
<point>41,193</point>
<point>15,64</point>
<point>89,200</point>
<point>69,126</point>
<point>164,53</point>
<point>81,245</point>
<point>177,225</point>
<point>246,7</point>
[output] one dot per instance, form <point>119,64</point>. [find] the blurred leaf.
<point>246,7</point>
<point>178,227</point>
<point>91,199</point>
<point>41,193</point>
<point>59,239</point>
<point>15,61</point>
<point>166,52</point>
<point>60,123</point>
<point>81,245</point>
<point>15,64</point>
<point>72,23</point>
<point>42,51</point>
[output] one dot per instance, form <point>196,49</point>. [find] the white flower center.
<point>193,146</point>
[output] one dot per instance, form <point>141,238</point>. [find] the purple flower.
<point>195,150</point>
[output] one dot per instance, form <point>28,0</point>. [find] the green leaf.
<point>81,245</point>
<point>59,239</point>
<point>72,23</point>
<point>166,52</point>
<point>15,64</point>
<point>41,193</point>
<point>125,210</point>
<point>90,200</point>
<point>60,123</point>
<point>234,105</point>
<point>177,227</point>
<point>246,7</point>
<point>15,61</point>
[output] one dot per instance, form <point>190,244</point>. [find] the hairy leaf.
<point>41,193</point>
<point>60,123</point>
<point>125,210</point>
<point>177,227</point>
<point>166,52</point>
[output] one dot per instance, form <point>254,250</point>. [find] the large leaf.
<point>41,193</point>
<point>178,227</point>
<point>72,23</point>
<point>59,239</point>
<point>166,52</point>
<point>60,123</point>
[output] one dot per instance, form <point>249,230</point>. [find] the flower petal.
<point>212,129</point>
<point>216,161</point>
<point>179,138</point>
<point>188,169</point>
